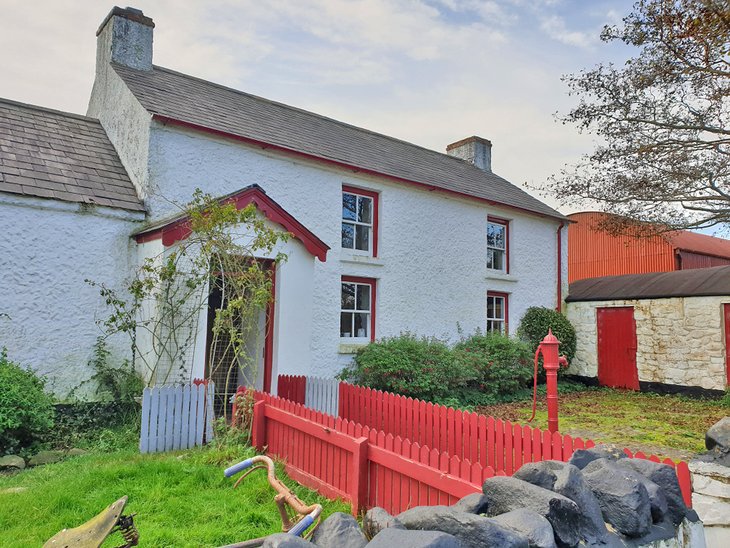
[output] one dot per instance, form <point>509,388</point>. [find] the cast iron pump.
<point>551,362</point>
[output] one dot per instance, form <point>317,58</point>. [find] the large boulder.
<point>285,540</point>
<point>530,524</point>
<point>403,538</point>
<point>376,519</point>
<point>582,457</point>
<point>473,531</point>
<point>46,457</point>
<point>567,480</point>
<point>665,477</point>
<point>476,503</point>
<point>719,435</point>
<point>10,463</point>
<point>569,523</point>
<point>339,531</point>
<point>624,500</point>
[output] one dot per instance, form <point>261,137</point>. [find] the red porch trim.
<point>179,229</point>
<point>355,169</point>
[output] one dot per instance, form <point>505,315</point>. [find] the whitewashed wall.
<point>679,341</point>
<point>47,250</point>
<point>431,267</point>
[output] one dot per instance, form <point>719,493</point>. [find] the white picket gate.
<point>176,417</point>
<point>322,395</point>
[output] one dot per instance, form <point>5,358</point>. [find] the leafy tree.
<point>663,156</point>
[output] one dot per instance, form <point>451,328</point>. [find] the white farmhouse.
<point>429,242</point>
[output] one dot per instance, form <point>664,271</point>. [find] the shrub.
<point>26,410</point>
<point>502,366</point>
<point>534,326</point>
<point>419,367</point>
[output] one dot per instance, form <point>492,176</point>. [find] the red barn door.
<point>617,348</point>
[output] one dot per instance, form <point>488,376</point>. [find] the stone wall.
<point>679,340</point>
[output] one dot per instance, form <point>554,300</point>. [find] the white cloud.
<point>556,28</point>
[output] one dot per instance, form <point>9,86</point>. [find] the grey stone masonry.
<point>126,34</point>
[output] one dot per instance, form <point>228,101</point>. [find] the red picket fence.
<point>495,444</point>
<point>367,467</point>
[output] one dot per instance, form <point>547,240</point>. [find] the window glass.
<point>357,304</point>
<point>348,296</point>
<point>364,209</point>
<point>349,206</point>
<point>362,238</point>
<point>348,235</point>
<point>497,246</point>
<point>363,297</point>
<point>358,214</point>
<point>496,313</point>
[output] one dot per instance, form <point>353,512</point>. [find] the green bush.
<point>26,410</point>
<point>419,367</point>
<point>534,326</point>
<point>502,366</point>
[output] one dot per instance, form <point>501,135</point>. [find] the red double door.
<point>617,347</point>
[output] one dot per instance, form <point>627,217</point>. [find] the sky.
<point>427,71</point>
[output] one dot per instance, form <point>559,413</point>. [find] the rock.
<point>11,462</point>
<point>473,531</point>
<point>75,452</point>
<point>665,477</point>
<point>582,457</point>
<point>376,519</point>
<point>530,524</point>
<point>566,518</point>
<point>475,503</point>
<point>46,457</point>
<point>403,538</point>
<point>657,501</point>
<point>285,540</point>
<point>624,500</point>
<point>339,531</point>
<point>719,435</point>
<point>567,480</point>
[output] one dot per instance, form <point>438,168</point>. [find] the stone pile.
<point>598,498</point>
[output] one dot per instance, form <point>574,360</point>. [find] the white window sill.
<point>360,259</point>
<point>500,276</point>
<point>352,347</point>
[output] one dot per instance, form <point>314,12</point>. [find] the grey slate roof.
<point>696,282</point>
<point>170,94</point>
<point>50,154</point>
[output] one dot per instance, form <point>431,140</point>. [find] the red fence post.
<point>258,429</point>
<point>359,486</point>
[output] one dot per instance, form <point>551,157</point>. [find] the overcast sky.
<point>427,71</point>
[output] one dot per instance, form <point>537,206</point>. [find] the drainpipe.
<point>559,291</point>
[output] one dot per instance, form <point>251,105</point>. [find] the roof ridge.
<point>30,106</point>
<point>312,113</point>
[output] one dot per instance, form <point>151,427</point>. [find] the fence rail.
<point>176,417</point>
<point>501,446</point>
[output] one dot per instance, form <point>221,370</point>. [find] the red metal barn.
<point>665,331</point>
<point>593,252</point>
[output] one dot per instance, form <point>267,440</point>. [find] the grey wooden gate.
<point>176,417</point>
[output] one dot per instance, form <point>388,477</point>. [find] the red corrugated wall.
<point>593,253</point>
<point>691,260</point>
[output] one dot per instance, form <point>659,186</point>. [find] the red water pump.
<point>551,362</point>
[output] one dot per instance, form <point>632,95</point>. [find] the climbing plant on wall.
<point>161,306</point>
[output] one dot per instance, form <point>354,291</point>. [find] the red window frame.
<point>504,296</point>
<point>373,297</point>
<point>505,223</point>
<point>376,210</point>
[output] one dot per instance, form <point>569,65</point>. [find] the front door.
<point>617,348</point>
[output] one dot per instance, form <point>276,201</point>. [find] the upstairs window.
<point>360,221</point>
<point>357,309</point>
<point>497,308</point>
<point>498,245</point>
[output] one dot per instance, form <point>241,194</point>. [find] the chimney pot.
<point>475,150</point>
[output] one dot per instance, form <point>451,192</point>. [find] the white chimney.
<point>475,150</point>
<point>125,38</point>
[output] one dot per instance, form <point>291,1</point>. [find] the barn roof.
<point>174,97</point>
<point>49,154</point>
<point>681,283</point>
<point>701,243</point>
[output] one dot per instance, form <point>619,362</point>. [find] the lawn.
<point>666,425</point>
<point>181,499</point>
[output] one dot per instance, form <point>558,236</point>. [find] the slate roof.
<point>50,154</point>
<point>169,94</point>
<point>657,285</point>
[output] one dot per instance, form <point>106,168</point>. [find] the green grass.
<point>667,425</point>
<point>181,498</point>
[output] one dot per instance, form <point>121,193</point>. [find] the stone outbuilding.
<point>662,331</point>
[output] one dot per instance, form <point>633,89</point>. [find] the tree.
<point>661,119</point>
